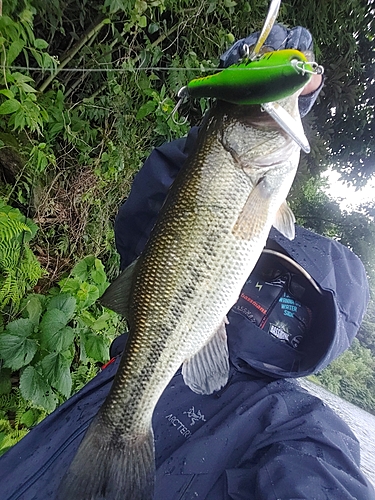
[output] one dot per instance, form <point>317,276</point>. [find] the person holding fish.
<point>246,310</point>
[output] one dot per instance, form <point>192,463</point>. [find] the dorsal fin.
<point>117,295</point>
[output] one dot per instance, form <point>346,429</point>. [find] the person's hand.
<point>313,85</point>
<point>279,38</point>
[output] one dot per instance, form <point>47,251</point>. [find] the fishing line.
<point>149,68</point>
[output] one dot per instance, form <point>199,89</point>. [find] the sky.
<point>347,196</point>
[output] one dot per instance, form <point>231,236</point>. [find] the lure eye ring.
<point>246,51</point>
<point>301,67</point>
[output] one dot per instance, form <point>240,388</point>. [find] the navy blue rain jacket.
<point>261,436</point>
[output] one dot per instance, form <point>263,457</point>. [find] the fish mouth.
<point>251,115</point>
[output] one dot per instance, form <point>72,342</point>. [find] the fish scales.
<point>208,237</point>
<point>181,272</point>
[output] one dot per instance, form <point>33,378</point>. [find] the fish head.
<point>256,141</point>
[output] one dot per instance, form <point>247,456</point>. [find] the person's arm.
<point>305,451</point>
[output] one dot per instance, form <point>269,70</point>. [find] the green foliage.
<point>105,87</point>
<point>366,334</point>
<point>16,418</point>
<point>344,41</point>
<point>54,348</point>
<point>351,376</point>
<point>19,108</point>
<point>19,268</point>
<point>315,210</point>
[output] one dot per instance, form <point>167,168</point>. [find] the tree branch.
<point>89,34</point>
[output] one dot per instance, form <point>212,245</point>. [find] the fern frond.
<point>10,254</point>
<point>30,267</point>
<point>11,226</point>
<point>22,407</point>
<point>10,438</point>
<point>8,402</point>
<point>17,281</point>
<point>12,290</point>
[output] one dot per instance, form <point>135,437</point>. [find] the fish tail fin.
<point>110,468</point>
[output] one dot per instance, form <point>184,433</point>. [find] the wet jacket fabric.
<point>261,436</point>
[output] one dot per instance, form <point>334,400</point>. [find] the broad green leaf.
<point>81,270</point>
<point>9,106</point>
<point>87,295</point>
<point>153,28</point>
<point>40,44</point>
<point>98,276</point>
<point>211,7</point>
<point>38,57</point>
<point>64,339</point>
<point>8,93</point>
<point>115,5</point>
<point>64,302</point>
<point>69,285</point>
<point>142,21</point>
<point>16,351</point>
<point>34,308</point>
<point>36,389</point>
<point>14,50</point>
<point>58,340</point>
<point>26,87</point>
<point>146,109</point>
<point>20,77</point>
<point>96,347</point>
<point>102,322</point>
<point>86,318</point>
<point>56,369</point>
<point>19,119</point>
<point>52,321</point>
<point>30,417</point>
<point>22,327</point>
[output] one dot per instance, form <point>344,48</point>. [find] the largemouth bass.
<point>208,238</point>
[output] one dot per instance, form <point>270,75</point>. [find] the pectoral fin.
<point>208,370</point>
<point>284,221</point>
<point>117,295</point>
<point>252,214</point>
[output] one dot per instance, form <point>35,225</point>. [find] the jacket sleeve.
<point>304,451</point>
<point>307,101</point>
<point>137,216</point>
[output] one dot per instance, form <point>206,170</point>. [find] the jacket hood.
<point>336,313</point>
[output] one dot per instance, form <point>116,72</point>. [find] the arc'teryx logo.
<point>195,417</point>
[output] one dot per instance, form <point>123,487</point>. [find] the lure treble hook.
<point>182,95</point>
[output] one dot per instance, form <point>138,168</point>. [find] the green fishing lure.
<point>271,77</point>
